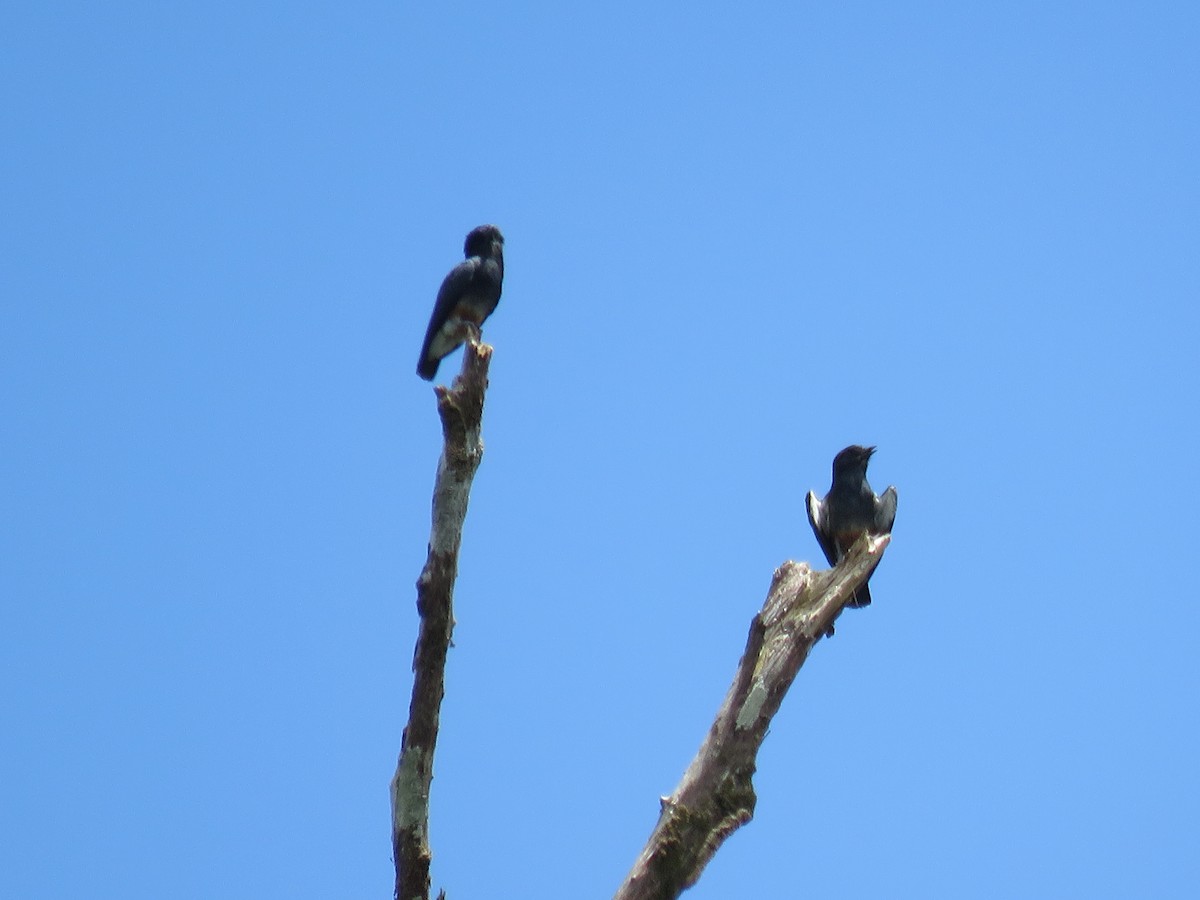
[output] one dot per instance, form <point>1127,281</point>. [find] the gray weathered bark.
<point>716,795</point>
<point>461,410</point>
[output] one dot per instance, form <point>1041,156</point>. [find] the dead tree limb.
<point>716,795</point>
<point>461,410</point>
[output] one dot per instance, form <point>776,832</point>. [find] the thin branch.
<point>461,410</point>
<point>716,795</point>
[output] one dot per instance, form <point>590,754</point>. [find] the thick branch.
<point>461,410</point>
<point>716,795</point>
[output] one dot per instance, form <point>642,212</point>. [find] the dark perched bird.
<point>467,297</point>
<point>849,509</point>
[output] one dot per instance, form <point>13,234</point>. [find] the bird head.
<point>853,459</point>
<point>486,240</point>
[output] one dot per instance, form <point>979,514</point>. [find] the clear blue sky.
<point>739,238</point>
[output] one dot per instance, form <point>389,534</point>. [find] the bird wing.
<point>816,518</point>
<point>451,291</point>
<point>885,511</point>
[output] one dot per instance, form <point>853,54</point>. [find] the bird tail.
<point>427,367</point>
<point>862,597</point>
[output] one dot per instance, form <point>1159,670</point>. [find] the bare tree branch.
<point>461,410</point>
<point>716,795</point>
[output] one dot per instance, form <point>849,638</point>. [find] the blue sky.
<point>737,241</point>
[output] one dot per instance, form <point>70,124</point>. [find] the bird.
<point>468,295</point>
<point>849,510</point>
